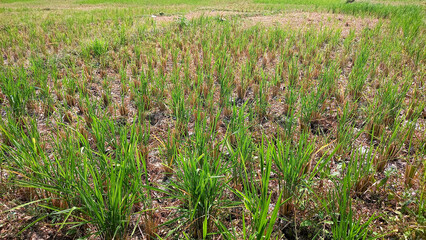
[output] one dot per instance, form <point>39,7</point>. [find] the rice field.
<point>196,119</point>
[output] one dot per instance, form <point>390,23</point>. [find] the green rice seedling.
<point>293,72</point>
<point>390,100</point>
<point>240,146</point>
<point>262,98</point>
<point>226,86</point>
<point>186,68</point>
<point>293,164</point>
<point>90,114</point>
<point>310,107</point>
<point>345,130</point>
<point>338,202</point>
<point>143,101</point>
<point>124,82</point>
<point>121,38</point>
<point>257,200</point>
<point>201,85</point>
<point>170,151</point>
<point>110,199</point>
<point>407,19</point>
<point>182,22</point>
<point>344,226</point>
<point>328,80</point>
<point>386,108</point>
<point>361,168</point>
<point>390,147</point>
<point>71,87</point>
<point>179,110</point>
<point>204,135</point>
<point>103,131</point>
<point>95,48</point>
<point>375,127</point>
<point>244,81</point>
<point>82,89</point>
<point>18,91</point>
<point>358,76</point>
<point>11,129</point>
<point>38,69</point>
<point>415,110</point>
<point>200,183</point>
<point>143,131</point>
<point>102,198</point>
<point>23,155</point>
<point>209,98</point>
<point>290,118</point>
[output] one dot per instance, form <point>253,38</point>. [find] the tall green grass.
<point>89,186</point>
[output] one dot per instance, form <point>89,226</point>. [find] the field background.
<point>221,119</point>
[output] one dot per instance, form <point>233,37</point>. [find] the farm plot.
<point>220,123</point>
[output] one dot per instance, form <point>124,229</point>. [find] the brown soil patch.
<point>304,20</point>
<point>196,14</point>
<point>294,20</point>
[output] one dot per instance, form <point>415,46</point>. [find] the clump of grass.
<point>95,48</point>
<point>344,225</point>
<point>17,91</point>
<point>257,200</point>
<point>104,199</point>
<point>293,163</point>
<point>200,184</point>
